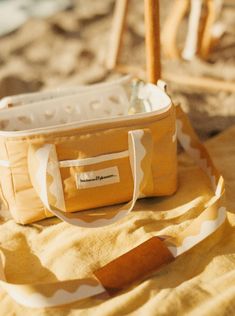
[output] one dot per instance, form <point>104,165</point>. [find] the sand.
<point>70,48</point>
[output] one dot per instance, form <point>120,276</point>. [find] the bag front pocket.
<point>96,181</point>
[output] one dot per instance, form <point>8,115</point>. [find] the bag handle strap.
<point>143,259</point>
<point>215,214</point>
<point>45,176</point>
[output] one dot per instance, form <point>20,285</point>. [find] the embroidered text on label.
<point>97,178</point>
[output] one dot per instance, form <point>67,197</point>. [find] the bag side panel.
<point>27,205</point>
<point>7,192</point>
<point>164,161</point>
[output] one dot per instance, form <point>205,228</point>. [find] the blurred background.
<point>46,44</point>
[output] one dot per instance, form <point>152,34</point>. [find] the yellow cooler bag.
<point>85,150</point>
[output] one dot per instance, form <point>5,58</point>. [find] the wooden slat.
<point>200,83</point>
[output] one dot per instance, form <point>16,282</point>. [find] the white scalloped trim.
<point>207,228</point>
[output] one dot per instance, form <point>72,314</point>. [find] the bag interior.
<point>91,103</point>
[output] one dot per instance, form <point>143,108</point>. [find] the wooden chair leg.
<point>191,43</point>
<point>171,28</point>
<point>152,39</point>
<point>117,31</point>
<point>152,28</point>
<point>213,11</point>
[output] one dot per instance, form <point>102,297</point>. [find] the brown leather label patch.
<point>134,265</point>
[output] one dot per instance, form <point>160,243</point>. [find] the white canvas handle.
<point>43,163</point>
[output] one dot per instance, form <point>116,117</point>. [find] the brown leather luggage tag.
<point>134,265</point>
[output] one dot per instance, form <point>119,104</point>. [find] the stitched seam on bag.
<point>3,198</point>
<point>90,129</point>
<point>13,186</point>
<point>93,160</point>
<point>69,137</point>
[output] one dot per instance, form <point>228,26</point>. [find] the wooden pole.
<point>152,38</point>
<point>116,34</point>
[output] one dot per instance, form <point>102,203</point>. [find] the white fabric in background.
<point>13,13</point>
